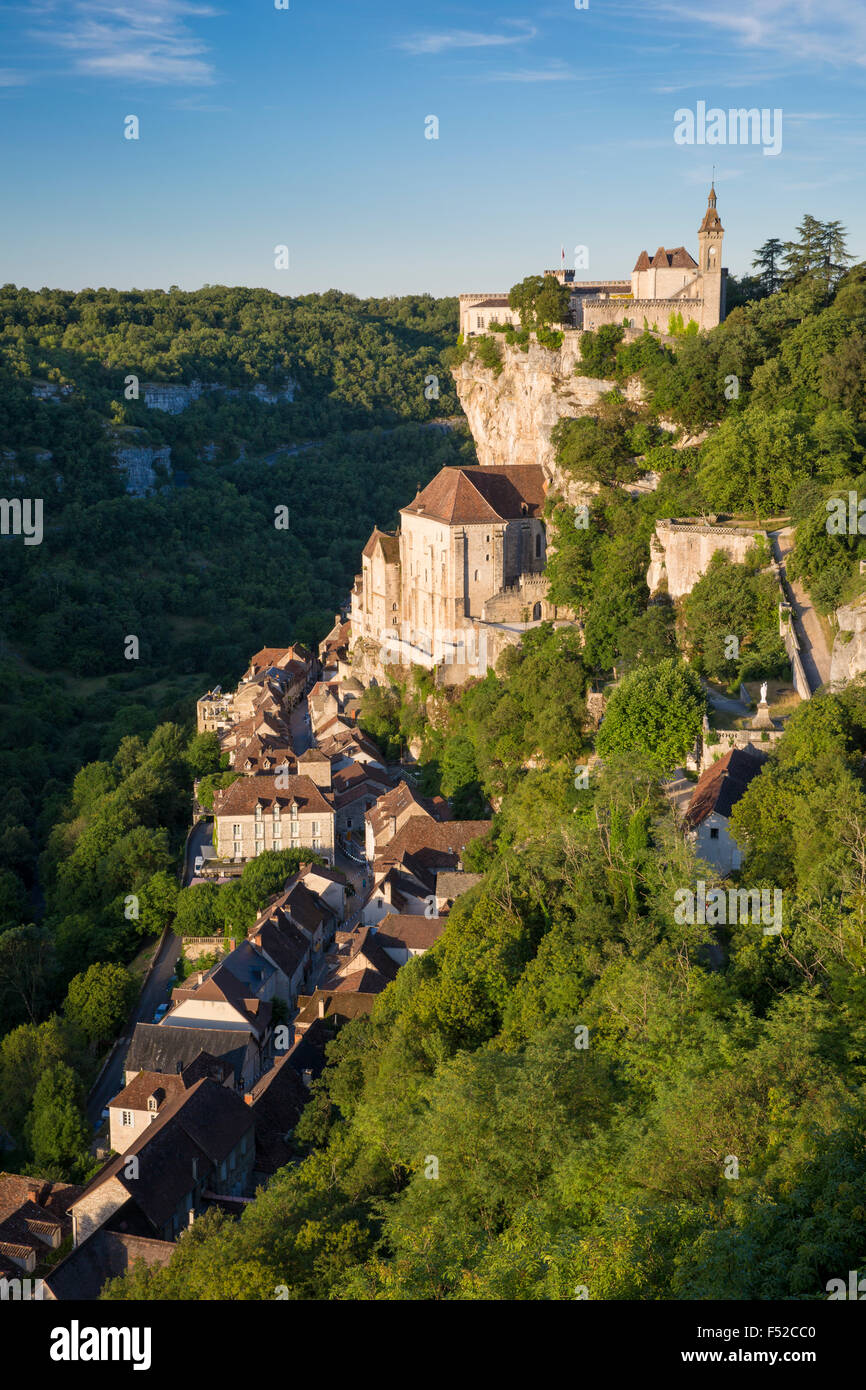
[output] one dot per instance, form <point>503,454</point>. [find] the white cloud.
<point>833,31</point>
<point>555,72</point>
<point>450,39</point>
<point>145,41</point>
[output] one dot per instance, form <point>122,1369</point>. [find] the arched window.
<point>536,613</point>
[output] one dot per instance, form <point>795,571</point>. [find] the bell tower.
<point>710,237</point>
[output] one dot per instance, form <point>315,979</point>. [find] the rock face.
<point>681,551</point>
<point>138,463</point>
<point>173,397</point>
<point>848,659</point>
<point>512,415</point>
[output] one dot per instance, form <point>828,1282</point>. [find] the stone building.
<point>669,282</point>
<point>708,816</point>
<point>272,813</point>
<point>462,578</point>
<point>200,1146</point>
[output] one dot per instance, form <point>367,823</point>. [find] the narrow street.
<point>155,992</point>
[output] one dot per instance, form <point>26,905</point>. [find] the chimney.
<point>307,1076</point>
<point>34,1191</point>
<point>191,1215</point>
<point>321,1008</point>
<point>248,1097</point>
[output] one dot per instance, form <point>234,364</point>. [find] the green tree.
<point>56,1127</point>
<point>656,713</point>
<point>767,261</point>
<point>98,1001</point>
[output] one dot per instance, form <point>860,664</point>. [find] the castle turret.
<point>710,237</point>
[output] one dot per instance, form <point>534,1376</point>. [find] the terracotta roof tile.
<point>479,494</point>
<point>722,785</point>
<point>241,798</point>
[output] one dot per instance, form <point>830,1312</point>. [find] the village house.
<point>33,1222</point>
<point>169,1049</point>
<point>271,729</point>
<point>405,869</point>
<point>334,650</point>
<point>402,937</point>
<point>201,1147</point>
<point>393,810</point>
<point>344,743</point>
<point>356,787</point>
<point>236,993</point>
<point>708,813</point>
<point>104,1255</point>
<point>270,812</point>
<point>289,951</point>
<point>135,1108</point>
<point>294,932</point>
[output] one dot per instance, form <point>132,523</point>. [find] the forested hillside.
<point>197,572</point>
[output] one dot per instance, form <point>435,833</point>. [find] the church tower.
<point>710,237</point>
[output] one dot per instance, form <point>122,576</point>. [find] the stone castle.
<point>669,282</point>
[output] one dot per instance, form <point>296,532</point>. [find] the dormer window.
<point>258,810</point>
<point>276,811</point>
<point>152,1104</point>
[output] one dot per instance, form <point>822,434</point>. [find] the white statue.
<point>764,693</point>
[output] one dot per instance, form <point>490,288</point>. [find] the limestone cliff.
<point>849,649</point>
<point>512,415</point>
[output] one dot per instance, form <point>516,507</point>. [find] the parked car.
<point>199,864</point>
<point>160,1013</point>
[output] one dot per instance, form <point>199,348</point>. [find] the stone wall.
<point>681,551</point>
<point>657,312</point>
<point>848,658</point>
<point>723,740</point>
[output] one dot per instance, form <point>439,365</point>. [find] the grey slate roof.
<point>167,1048</point>
<point>104,1256</point>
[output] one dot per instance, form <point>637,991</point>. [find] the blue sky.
<point>306,127</point>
